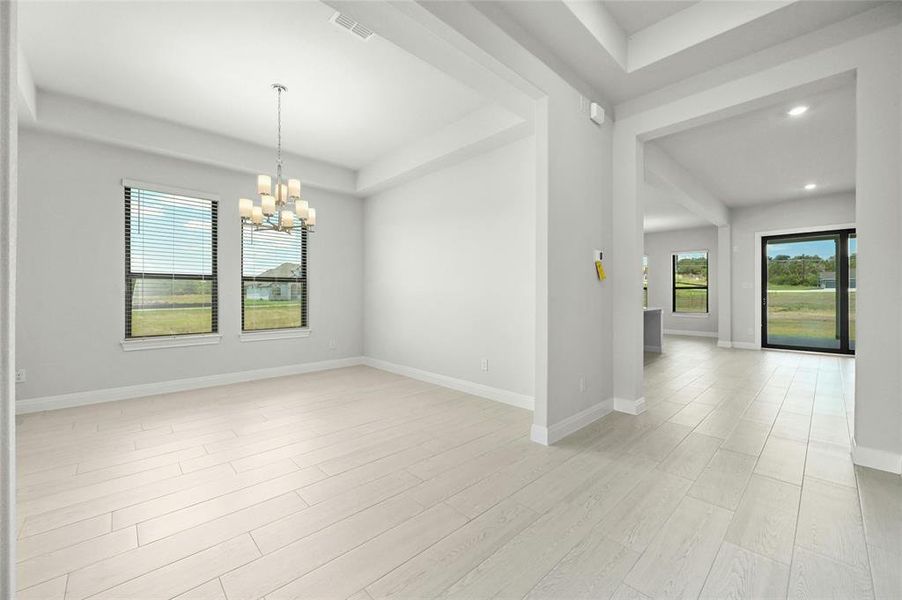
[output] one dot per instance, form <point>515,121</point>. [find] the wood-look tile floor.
<point>361,484</point>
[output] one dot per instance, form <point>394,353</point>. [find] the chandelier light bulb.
<point>311,216</point>
<point>301,209</point>
<point>257,215</point>
<point>268,203</point>
<point>294,188</point>
<point>264,184</point>
<point>245,207</point>
<point>286,218</point>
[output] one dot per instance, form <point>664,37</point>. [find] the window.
<point>170,264</point>
<point>690,282</point>
<point>644,282</point>
<point>273,279</point>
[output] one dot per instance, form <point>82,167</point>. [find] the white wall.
<point>450,271</point>
<point>659,248</point>
<point>746,222</point>
<point>573,171</point>
<point>580,310</point>
<point>8,203</point>
<point>71,265</point>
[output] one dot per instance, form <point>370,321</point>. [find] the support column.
<point>724,287</point>
<point>877,439</point>
<point>539,431</point>
<point>626,274</point>
<point>8,172</point>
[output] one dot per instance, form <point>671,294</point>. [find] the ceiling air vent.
<point>349,24</point>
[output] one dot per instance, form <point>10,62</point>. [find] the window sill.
<point>274,334</point>
<point>175,341</point>
<point>691,315</point>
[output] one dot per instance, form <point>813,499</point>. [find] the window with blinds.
<point>273,279</point>
<point>170,264</point>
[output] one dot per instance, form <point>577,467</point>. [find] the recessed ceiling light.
<point>797,110</point>
<point>810,186</point>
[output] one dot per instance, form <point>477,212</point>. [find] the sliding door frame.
<point>842,287</point>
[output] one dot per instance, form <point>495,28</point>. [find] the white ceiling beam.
<point>81,118</point>
<point>27,92</point>
<point>598,21</point>
<point>414,29</point>
<point>484,32</point>
<point>692,26</point>
<point>478,132</point>
<point>688,191</point>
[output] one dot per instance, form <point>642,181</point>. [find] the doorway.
<point>808,292</point>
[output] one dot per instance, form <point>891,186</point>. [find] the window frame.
<point>133,342</point>
<point>273,333</point>
<point>674,288</point>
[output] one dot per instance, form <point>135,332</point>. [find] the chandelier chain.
<point>279,129</point>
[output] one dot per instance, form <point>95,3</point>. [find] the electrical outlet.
<point>333,344</point>
<point>484,364</point>
<point>582,384</point>
<point>20,375</point>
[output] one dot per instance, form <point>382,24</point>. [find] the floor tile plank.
<point>765,521</point>
<point>593,569</point>
<point>782,459</point>
<point>738,573</point>
<point>678,559</point>
<point>724,479</point>
<point>830,523</point>
<point>814,577</point>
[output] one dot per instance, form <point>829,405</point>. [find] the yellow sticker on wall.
<point>599,269</point>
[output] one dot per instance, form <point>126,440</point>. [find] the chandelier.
<point>278,205</point>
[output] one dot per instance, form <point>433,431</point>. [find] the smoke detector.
<point>349,24</point>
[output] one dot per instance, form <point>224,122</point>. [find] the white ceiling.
<point>551,30</point>
<point>633,15</point>
<point>210,66</point>
<point>767,156</point>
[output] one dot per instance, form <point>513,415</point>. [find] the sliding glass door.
<point>808,291</point>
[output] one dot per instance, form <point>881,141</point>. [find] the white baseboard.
<point>630,407</point>
<point>745,345</point>
<point>539,435</point>
<point>689,332</point>
<point>724,344</point>
<point>31,405</point>
<point>876,459</point>
<point>554,433</point>
<point>461,385</point>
